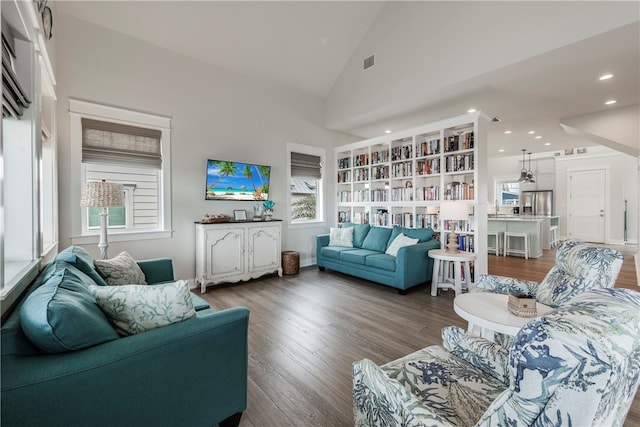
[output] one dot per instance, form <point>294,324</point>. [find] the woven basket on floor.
<point>290,262</point>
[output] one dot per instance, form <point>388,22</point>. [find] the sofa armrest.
<point>413,263</point>
<point>152,378</point>
<point>322,240</point>
<point>157,270</point>
<point>480,352</point>
<point>377,399</point>
<point>504,285</point>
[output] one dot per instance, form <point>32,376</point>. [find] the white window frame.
<point>320,200</point>
<point>83,109</point>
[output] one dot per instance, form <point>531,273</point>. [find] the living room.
<point>218,112</point>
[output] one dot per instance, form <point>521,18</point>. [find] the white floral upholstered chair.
<point>580,266</point>
<point>578,365</point>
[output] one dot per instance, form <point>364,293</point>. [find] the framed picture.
<point>240,215</point>
<point>47,22</point>
<point>568,151</point>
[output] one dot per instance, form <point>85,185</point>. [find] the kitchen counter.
<point>537,226</point>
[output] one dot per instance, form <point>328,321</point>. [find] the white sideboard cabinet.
<point>235,251</point>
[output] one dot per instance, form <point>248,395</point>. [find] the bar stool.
<point>553,236</point>
<point>498,239</point>
<point>508,235</point>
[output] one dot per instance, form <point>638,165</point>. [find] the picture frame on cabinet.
<point>239,215</point>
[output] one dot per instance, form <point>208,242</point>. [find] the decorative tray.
<point>214,219</point>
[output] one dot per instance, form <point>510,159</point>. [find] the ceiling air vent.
<point>496,119</point>
<point>369,62</point>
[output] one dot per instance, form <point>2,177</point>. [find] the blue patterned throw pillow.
<point>134,309</point>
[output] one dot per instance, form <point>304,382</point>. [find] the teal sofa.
<point>189,373</point>
<point>367,258</point>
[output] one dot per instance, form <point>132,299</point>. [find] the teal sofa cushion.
<point>383,261</point>
<point>377,239</point>
<point>61,315</point>
<point>360,232</point>
<point>80,258</point>
<point>356,256</point>
<point>422,234</point>
<point>334,251</point>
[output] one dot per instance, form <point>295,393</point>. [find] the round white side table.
<point>441,278</point>
<point>488,313</point>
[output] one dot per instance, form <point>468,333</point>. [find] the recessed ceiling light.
<point>538,137</point>
<point>531,132</point>
<point>387,131</point>
<point>501,150</point>
<point>471,110</point>
<point>507,132</point>
<point>610,102</point>
<point>606,76</point>
<point>547,143</point>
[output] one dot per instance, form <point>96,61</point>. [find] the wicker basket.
<point>290,262</point>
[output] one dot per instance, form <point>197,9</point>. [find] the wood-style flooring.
<point>305,331</point>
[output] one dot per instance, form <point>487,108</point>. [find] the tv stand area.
<point>229,252</point>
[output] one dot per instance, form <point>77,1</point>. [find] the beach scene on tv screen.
<point>237,181</point>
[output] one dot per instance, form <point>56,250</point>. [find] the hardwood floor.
<point>305,331</point>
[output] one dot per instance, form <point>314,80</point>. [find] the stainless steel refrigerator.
<point>536,202</point>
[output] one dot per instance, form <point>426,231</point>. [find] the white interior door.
<point>587,200</point>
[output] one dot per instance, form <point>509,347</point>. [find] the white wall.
<point>622,185</point>
<point>407,39</point>
<point>215,114</point>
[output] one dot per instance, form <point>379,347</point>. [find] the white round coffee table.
<point>487,313</point>
<point>441,278</point>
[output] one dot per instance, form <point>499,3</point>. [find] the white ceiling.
<point>305,46</point>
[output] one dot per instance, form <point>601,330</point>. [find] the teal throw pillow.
<point>134,309</point>
<point>360,232</point>
<point>80,258</point>
<point>377,239</point>
<point>61,315</point>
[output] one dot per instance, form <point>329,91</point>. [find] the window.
<point>306,183</point>
<point>508,193</point>
<point>128,148</point>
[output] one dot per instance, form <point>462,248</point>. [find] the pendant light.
<point>529,173</point>
<point>523,172</point>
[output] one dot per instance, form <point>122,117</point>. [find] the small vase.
<point>267,214</point>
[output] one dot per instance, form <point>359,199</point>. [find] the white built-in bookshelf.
<point>394,179</point>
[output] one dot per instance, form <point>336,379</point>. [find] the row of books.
<point>450,272</point>
<point>428,167</point>
<point>426,221</point>
<point>344,176</point>
<point>401,194</point>
<point>401,170</point>
<point>460,162</point>
<point>428,193</point>
<point>380,172</point>
<point>461,141</point>
<point>360,160</point>
<point>361,174</point>
<point>344,163</point>
<point>428,148</point>
<point>401,153</point>
<point>459,191</point>
<point>379,195</point>
<point>461,226</point>
<point>381,156</point>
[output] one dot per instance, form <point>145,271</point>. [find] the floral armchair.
<point>579,267</point>
<point>578,365</point>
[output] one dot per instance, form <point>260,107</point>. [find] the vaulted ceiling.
<point>313,47</point>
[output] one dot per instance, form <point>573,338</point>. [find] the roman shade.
<point>305,166</point>
<point>119,144</point>
<point>14,97</point>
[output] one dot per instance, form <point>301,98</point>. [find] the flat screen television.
<point>237,181</point>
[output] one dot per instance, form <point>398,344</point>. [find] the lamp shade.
<point>454,210</point>
<point>102,194</point>
<point>432,210</point>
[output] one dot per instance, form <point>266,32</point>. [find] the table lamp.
<point>453,211</point>
<point>102,194</point>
